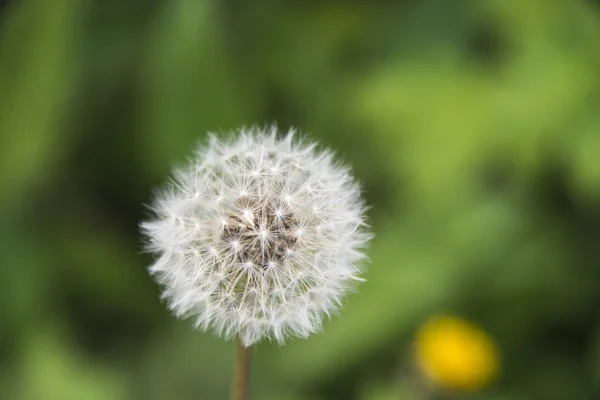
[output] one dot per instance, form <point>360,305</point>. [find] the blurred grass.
<point>473,127</point>
<point>37,78</point>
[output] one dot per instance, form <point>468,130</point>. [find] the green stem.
<point>241,372</point>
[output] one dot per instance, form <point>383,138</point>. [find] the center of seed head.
<point>259,234</point>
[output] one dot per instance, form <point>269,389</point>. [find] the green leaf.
<point>188,85</point>
<point>52,369</point>
<point>38,70</point>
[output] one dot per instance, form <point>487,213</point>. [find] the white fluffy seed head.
<point>258,236</point>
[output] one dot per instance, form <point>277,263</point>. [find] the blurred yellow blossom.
<point>456,354</point>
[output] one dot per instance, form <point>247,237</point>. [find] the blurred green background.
<point>474,127</point>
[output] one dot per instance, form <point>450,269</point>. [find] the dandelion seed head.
<point>258,236</point>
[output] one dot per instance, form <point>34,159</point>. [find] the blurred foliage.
<point>473,126</point>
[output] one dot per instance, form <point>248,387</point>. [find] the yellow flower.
<point>456,354</point>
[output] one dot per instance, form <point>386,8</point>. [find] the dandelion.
<point>258,236</point>
<point>456,354</point>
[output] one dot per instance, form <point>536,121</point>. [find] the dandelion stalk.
<point>241,372</point>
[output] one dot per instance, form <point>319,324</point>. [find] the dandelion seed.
<point>275,229</point>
